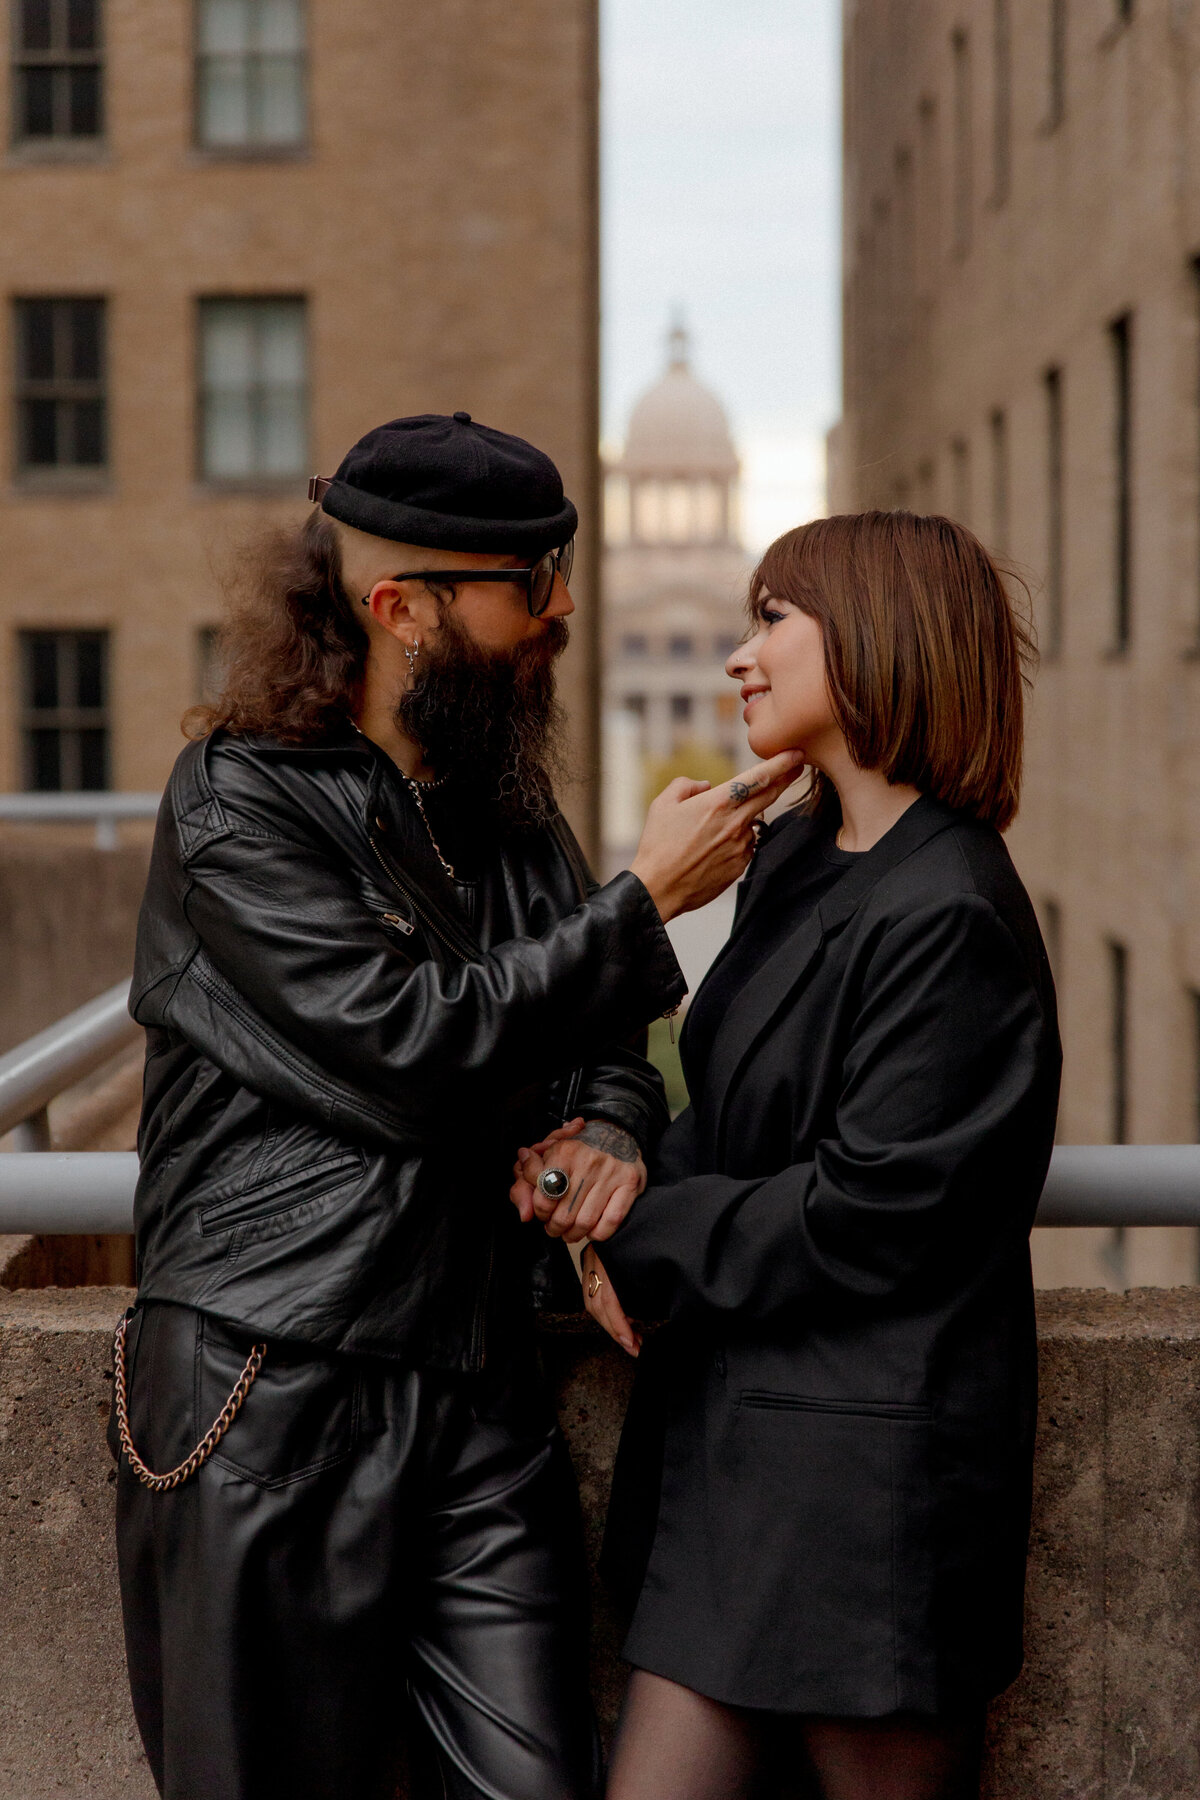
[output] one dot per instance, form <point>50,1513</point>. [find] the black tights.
<point>674,1744</point>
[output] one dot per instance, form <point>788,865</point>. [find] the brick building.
<point>233,235</point>
<point>1022,350</point>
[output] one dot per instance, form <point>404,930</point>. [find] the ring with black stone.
<point>553,1183</point>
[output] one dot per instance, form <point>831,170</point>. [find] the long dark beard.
<point>491,722</point>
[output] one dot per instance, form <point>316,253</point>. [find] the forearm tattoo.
<point>610,1138</point>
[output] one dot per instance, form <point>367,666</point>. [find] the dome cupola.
<point>676,481</point>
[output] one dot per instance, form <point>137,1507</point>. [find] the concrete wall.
<point>67,917</point>
<point>1108,1705</point>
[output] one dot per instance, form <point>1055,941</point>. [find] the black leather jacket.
<point>340,1067</point>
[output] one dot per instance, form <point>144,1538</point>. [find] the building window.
<point>250,74</point>
<point>725,645</point>
<point>635,704</point>
<point>1055,518</point>
<point>254,395</point>
<point>1001,101</point>
<point>681,708</point>
<point>1124,10</point>
<point>57,71</point>
<point>1057,67</point>
<point>60,385</point>
<point>680,648</point>
<point>1120,334</point>
<point>633,644</point>
<point>998,432</point>
<point>65,710</point>
<point>961,53</point>
<point>1118,989</point>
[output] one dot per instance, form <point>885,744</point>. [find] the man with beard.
<point>371,963</point>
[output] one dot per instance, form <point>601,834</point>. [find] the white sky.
<point>720,200</point>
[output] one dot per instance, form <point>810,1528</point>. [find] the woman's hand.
<point>605,1172</point>
<point>602,1303</point>
<point>697,838</point>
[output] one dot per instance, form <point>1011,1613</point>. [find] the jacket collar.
<point>770,988</point>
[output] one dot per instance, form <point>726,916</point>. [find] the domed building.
<point>675,576</point>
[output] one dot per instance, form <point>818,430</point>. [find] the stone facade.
<point>1022,351</point>
<point>438,218</point>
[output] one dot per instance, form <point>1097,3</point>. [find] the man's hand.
<point>602,1303</point>
<point>697,838</point>
<point>605,1172</point>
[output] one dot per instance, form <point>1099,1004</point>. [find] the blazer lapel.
<point>770,988</point>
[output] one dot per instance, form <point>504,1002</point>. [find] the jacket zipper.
<point>422,913</point>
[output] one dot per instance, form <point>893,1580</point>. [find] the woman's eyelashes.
<point>771,615</point>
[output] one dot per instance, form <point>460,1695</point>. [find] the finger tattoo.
<point>740,791</point>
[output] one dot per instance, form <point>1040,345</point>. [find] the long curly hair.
<point>292,649</point>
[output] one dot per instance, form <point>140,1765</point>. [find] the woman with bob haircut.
<point>822,1496</point>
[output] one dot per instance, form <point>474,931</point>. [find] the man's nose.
<point>561,604</point>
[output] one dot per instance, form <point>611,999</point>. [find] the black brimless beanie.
<point>445,482</point>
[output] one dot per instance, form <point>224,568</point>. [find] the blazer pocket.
<point>862,1409</point>
<point>265,1201</point>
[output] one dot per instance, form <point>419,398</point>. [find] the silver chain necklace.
<point>414,788</point>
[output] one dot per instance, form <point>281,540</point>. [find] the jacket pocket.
<point>861,1409</point>
<point>266,1200</point>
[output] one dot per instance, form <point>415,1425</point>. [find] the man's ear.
<point>391,608</point>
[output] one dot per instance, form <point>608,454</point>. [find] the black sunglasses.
<point>538,581</point>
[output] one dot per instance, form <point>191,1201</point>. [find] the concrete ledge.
<point>1108,1706</point>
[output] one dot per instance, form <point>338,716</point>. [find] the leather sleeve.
<point>291,954</point>
<point>623,1086</point>
<point>627,1090</point>
<point>943,1119</point>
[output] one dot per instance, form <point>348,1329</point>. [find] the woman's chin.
<point>763,741</point>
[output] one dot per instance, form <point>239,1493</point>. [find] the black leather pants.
<point>377,1562</point>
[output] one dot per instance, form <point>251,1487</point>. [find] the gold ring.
<point>595,1283</point>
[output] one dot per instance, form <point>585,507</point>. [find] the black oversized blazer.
<point>842,1406</point>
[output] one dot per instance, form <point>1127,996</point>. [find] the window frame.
<point>62,145</point>
<point>57,476</point>
<point>70,722</point>
<point>251,150</point>
<point>258,482</point>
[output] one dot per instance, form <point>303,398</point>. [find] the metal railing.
<point>42,1067</point>
<point>92,1191</point>
<point>104,811</point>
<point>1088,1184</point>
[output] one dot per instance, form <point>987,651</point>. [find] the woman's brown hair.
<point>925,653</point>
<point>293,649</point>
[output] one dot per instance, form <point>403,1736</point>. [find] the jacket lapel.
<point>770,988</point>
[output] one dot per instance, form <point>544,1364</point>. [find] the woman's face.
<point>782,673</point>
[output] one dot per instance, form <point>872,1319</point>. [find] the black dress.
<point>825,1475</point>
